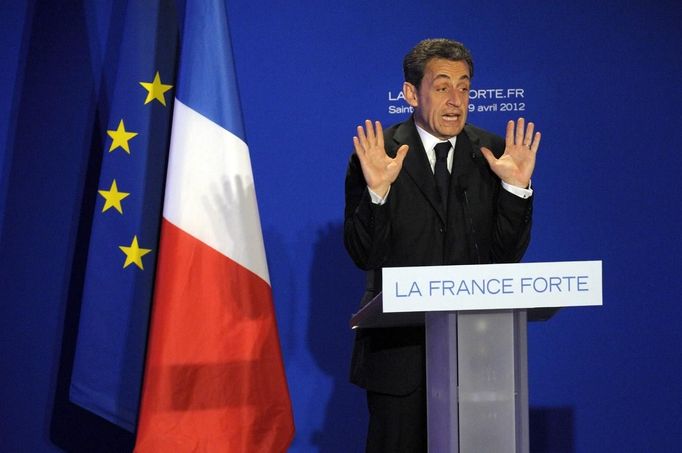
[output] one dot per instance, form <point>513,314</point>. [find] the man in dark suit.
<point>460,195</point>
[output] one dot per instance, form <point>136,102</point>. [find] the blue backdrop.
<point>602,82</point>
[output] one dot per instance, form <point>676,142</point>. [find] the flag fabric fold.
<point>214,377</point>
<point>117,289</point>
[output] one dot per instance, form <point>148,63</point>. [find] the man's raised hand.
<point>516,165</point>
<point>379,169</point>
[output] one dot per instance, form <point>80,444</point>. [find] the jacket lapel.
<point>467,157</point>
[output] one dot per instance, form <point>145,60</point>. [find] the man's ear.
<point>410,93</point>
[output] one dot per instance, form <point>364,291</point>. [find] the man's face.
<point>442,100</point>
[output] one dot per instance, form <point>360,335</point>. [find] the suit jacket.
<point>484,224</point>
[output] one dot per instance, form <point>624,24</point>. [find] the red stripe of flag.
<point>214,378</point>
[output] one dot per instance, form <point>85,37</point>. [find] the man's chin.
<point>449,131</point>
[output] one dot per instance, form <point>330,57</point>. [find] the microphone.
<point>477,158</point>
<point>463,183</point>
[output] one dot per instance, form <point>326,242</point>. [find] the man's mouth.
<point>451,116</point>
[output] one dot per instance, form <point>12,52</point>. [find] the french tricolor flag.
<point>214,378</point>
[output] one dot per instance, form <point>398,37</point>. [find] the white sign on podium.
<point>492,286</point>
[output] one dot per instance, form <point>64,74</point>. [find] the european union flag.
<point>117,291</point>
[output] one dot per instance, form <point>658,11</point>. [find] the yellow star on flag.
<point>156,90</point>
<point>120,137</point>
<point>112,198</point>
<point>134,254</point>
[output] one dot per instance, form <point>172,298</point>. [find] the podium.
<point>475,319</point>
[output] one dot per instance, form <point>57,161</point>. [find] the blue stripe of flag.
<point>206,79</point>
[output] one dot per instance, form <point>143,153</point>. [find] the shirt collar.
<point>429,141</point>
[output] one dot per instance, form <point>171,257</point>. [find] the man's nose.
<point>455,98</point>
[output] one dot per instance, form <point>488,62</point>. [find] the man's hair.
<point>416,59</point>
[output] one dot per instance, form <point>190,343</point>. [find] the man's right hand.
<point>378,168</point>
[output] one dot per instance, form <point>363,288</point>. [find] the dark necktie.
<point>441,172</point>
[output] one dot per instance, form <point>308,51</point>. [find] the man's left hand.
<point>516,165</point>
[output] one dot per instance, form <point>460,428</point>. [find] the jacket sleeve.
<point>366,225</point>
<point>512,227</point>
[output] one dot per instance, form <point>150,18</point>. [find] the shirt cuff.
<point>376,199</point>
<point>518,191</point>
